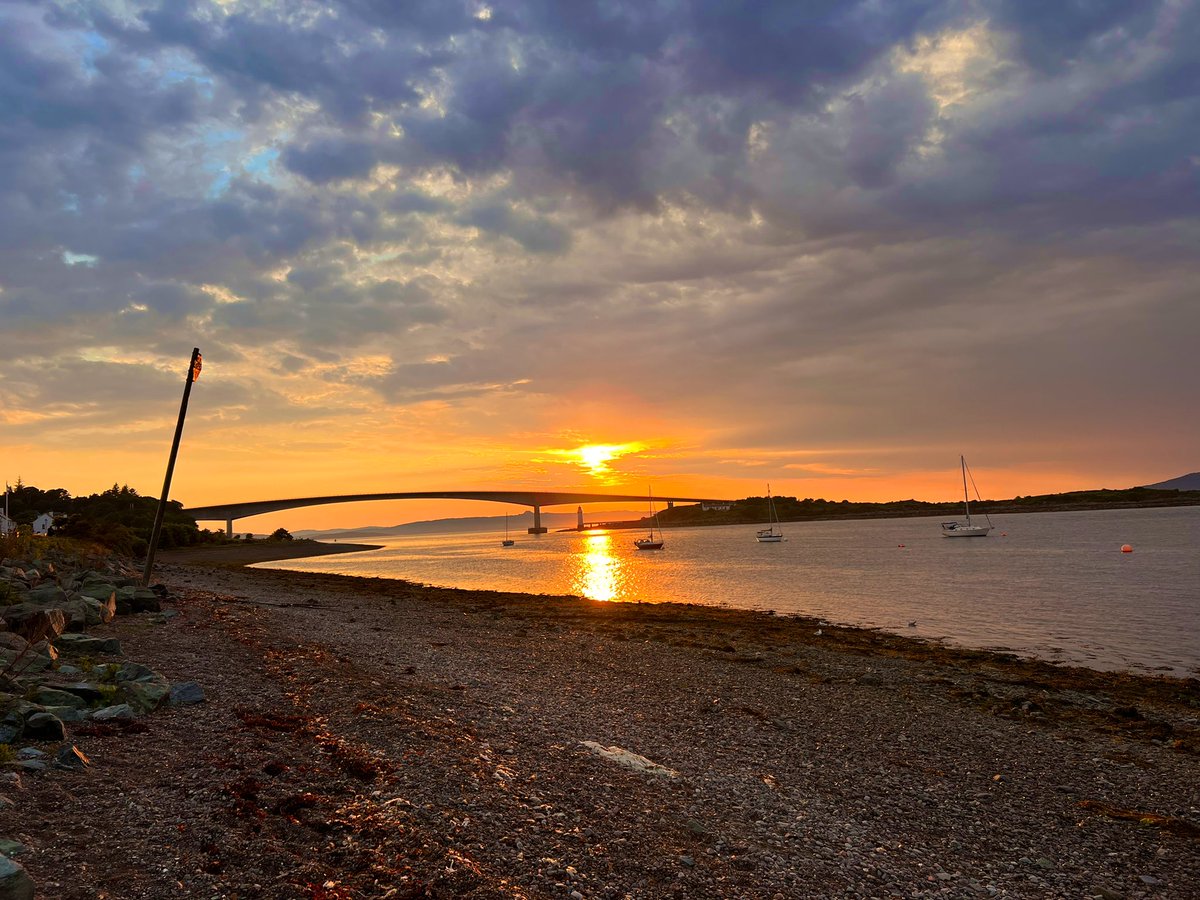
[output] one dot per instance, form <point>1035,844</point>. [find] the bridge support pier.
<point>229,528</point>
<point>537,522</point>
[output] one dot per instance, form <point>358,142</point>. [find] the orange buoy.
<point>1127,548</point>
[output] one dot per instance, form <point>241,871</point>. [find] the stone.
<point>145,600</point>
<point>82,643</point>
<point>48,595</point>
<point>145,696</point>
<point>36,766</point>
<point>84,690</point>
<point>42,726</point>
<point>48,696</point>
<point>71,759</point>
<point>13,642</point>
<point>110,713</point>
<point>30,753</point>
<point>15,883</point>
<point>67,713</point>
<point>34,622</point>
<point>12,726</point>
<point>186,693</point>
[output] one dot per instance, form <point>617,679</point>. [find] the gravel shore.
<point>376,738</point>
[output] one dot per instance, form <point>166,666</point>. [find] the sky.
<point>701,245</point>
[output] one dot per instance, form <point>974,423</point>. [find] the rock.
<point>71,759</point>
<point>48,595</point>
<point>630,760</point>
<point>42,726</point>
<point>30,753</point>
<point>15,883</point>
<point>11,848</point>
<point>13,642</point>
<point>104,594</point>
<point>145,696</point>
<point>11,727</point>
<point>85,691</point>
<point>186,693</point>
<point>48,696</point>
<point>67,713</point>
<point>34,622</point>
<point>109,713</point>
<point>35,766</point>
<point>132,671</point>
<point>82,643</point>
<point>146,600</point>
<point>10,781</point>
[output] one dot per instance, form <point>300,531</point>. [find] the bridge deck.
<point>229,511</point>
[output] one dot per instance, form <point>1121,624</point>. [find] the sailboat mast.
<point>966,503</point>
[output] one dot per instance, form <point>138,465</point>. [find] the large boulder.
<point>122,711</point>
<point>34,622</point>
<point>105,597</point>
<point>82,643</point>
<point>42,726</point>
<point>141,687</point>
<point>48,696</point>
<point>48,595</point>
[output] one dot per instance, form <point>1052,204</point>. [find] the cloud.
<point>822,224</point>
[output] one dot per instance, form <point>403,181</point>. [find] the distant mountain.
<point>517,523</point>
<point>1182,483</point>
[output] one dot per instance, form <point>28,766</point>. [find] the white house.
<point>6,524</point>
<point>41,525</point>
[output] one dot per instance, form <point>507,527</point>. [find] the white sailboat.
<point>651,542</point>
<point>507,542</point>
<point>966,529</point>
<point>774,534</point>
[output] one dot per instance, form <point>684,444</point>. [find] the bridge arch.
<point>229,512</point>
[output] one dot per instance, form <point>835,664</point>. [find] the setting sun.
<point>595,458</point>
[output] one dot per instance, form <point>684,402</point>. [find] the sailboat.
<point>507,542</point>
<point>651,542</point>
<point>967,529</point>
<point>772,535</point>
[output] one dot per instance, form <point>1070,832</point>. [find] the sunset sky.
<point>449,245</point>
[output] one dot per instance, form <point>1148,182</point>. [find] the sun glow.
<point>595,458</point>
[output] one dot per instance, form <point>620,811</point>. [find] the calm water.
<point>1049,585</point>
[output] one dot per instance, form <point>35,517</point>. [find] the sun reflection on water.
<point>599,573</point>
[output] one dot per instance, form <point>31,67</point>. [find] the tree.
<point>280,534</point>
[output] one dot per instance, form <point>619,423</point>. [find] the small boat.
<point>507,542</point>
<point>968,528</point>
<point>651,542</point>
<point>774,534</point>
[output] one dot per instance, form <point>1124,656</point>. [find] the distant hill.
<point>517,523</point>
<point>1182,483</point>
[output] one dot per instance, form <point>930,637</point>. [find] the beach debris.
<point>1127,548</point>
<point>630,760</point>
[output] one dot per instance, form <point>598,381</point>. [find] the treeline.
<point>119,518</point>
<point>790,509</point>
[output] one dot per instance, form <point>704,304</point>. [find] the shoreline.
<point>367,735</point>
<point>243,554</point>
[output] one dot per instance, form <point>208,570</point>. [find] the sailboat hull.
<point>956,530</point>
<point>648,544</point>
<point>769,538</point>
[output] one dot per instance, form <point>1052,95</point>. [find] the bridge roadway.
<point>228,512</point>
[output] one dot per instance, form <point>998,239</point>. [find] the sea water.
<point>1054,586</point>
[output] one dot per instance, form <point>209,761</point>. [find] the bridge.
<point>229,512</point>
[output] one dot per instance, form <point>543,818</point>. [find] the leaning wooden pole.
<point>193,373</point>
